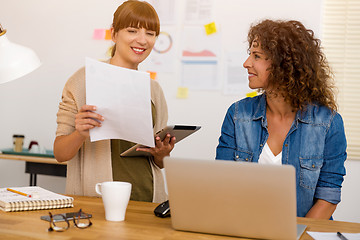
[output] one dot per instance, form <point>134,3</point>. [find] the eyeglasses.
<point>60,222</point>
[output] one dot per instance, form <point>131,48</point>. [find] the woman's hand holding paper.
<point>87,119</point>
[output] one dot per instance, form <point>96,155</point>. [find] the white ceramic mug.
<point>115,196</point>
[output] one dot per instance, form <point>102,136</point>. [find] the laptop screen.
<point>232,198</point>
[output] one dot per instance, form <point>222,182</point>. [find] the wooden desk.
<point>38,165</point>
<point>140,223</point>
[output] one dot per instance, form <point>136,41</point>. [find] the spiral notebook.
<point>40,199</point>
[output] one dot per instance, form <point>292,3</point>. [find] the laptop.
<point>231,198</point>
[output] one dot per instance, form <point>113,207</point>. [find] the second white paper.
<point>122,97</point>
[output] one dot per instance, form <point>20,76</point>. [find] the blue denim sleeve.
<point>227,143</point>
<point>333,170</point>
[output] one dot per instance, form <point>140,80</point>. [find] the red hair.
<point>137,14</point>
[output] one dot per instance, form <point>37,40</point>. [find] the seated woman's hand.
<point>161,149</point>
<point>87,119</point>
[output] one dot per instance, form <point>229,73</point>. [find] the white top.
<point>267,156</point>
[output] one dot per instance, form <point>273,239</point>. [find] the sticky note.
<point>152,75</point>
<point>109,51</point>
<point>251,94</point>
<point>107,34</point>
<point>182,92</point>
<point>99,34</point>
<point>210,28</point>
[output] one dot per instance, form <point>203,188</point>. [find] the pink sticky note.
<point>99,34</point>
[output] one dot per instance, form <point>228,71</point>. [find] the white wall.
<point>348,209</point>
<point>61,33</point>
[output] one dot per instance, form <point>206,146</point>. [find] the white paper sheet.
<point>200,75</point>
<point>236,77</point>
<point>199,11</point>
<point>333,236</point>
<point>122,97</point>
<point>166,9</point>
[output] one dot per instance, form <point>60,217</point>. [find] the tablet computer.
<point>178,131</point>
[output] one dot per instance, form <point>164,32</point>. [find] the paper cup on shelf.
<point>18,142</point>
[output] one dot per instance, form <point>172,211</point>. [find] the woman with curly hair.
<point>294,120</point>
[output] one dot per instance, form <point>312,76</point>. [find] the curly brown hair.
<point>299,69</point>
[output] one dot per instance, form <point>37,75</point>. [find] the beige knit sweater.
<point>92,164</point>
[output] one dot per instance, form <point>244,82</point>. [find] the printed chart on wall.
<point>166,11</point>
<point>236,77</point>
<point>163,55</point>
<point>199,59</point>
<point>198,12</point>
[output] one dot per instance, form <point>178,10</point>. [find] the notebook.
<point>40,199</point>
<point>232,198</point>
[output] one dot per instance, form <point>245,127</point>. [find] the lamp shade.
<point>15,60</point>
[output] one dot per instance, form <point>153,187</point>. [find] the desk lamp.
<point>15,60</point>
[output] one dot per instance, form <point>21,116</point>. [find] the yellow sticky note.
<point>182,92</point>
<point>107,34</point>
<point>251,94</point>
<point>109,51</point>
<point>210,28</point>
<point>152,75</point>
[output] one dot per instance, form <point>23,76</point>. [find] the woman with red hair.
<point>134,31</point>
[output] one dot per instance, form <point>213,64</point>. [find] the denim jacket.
<point>315,145</point>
